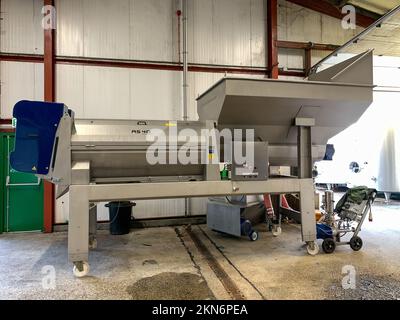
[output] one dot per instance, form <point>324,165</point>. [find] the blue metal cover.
<point>37,124</point>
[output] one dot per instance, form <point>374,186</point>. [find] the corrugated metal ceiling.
<point>377,6</point>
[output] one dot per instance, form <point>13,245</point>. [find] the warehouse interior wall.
<point>220,33</point>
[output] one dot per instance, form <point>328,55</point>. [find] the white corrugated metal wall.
<point>221,32</point>
<point>21,32</point>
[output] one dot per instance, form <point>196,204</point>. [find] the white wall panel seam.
<point>82,70</point>
<point>172,31</point>
<point>130,35</point>
<point>213,30</point>
<point>251,34</point>
<point>130,55</point>
<point>34,81</point>
<point>131,114</point>
<point>33,17</point>
<point>83,38</point>
<point>131,27</point>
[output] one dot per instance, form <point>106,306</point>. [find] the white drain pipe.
<point>185,84</point>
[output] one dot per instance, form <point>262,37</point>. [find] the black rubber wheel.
<point>253,236</point>
<point>246,228</point>
<point>329,245</point>
<point>356,243</point>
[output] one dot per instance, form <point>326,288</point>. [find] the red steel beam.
<point>21,57</point>
<point>5,121</point>
<point>118,63</point>
<point>221,69</point>
<point>272,38</point>
<point>170,66</point>
<point>49,96</point>
<point>333,11</point>
<point>288,73</point>
<point>306,45</point>
<point>142,65</point>
<point>129,64</point>
<point>148,65</point>
<point>156,66</point>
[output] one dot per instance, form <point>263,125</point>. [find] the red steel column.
<point>272,38</point>
<point>273,70</point>
<point>49,96</point>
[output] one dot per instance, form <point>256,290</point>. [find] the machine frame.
<point>100,161</point>
<point>83,195</point>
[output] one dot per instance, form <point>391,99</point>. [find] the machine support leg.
<point>78,226</point>
<point>92,226</point>
<point>305,162</point>
<point>308,228</point>
<point>304,150</point>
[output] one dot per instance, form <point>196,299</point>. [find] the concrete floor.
<point>172,263</point>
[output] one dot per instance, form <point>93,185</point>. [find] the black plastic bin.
<point>120,216</point>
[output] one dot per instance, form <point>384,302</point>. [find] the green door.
<point>22,194</point>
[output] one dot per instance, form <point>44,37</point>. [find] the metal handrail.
<point>358,37</point>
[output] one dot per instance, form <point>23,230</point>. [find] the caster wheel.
<point>84,266</point>
<point>328,245</point>
<point>312,248</point>
<point>356,243</point>
<point>253,236</point>
<point>277,232</point>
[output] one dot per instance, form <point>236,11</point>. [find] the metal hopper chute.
<point>335,98</point>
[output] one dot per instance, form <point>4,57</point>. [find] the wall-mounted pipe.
<point>179,17</point>
<point>185,84</point>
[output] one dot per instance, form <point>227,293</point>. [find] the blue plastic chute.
<point>37,124</point>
